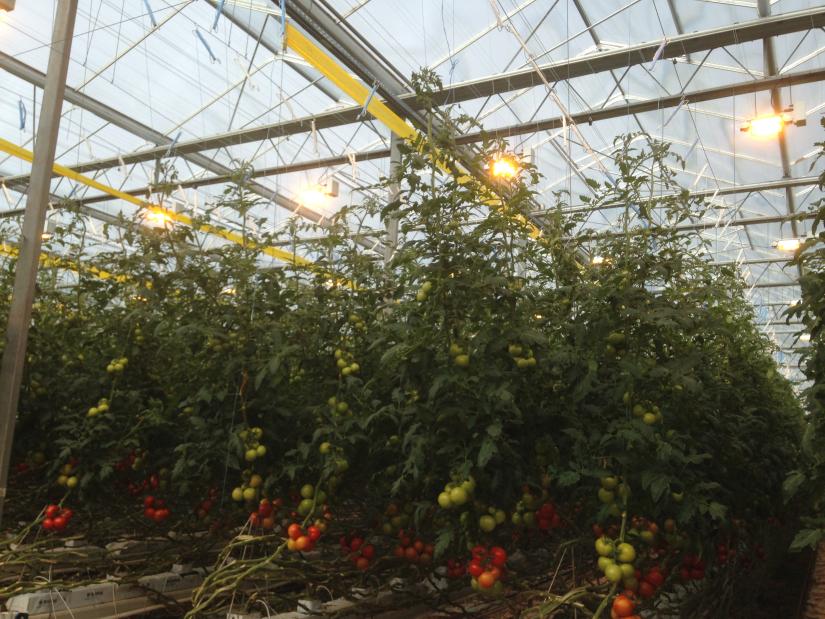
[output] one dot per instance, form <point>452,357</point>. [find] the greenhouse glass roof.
<point>208,83</point>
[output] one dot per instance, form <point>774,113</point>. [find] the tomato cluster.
<point>299,540</point>
<point>155,509</point>
<point>487,567</point>
<point>152,482</point>
<point>693,568</point>
<point>56,518</point>
<point>264,516</point>
<point>205,506</point>
<point>547,517</point>
<point>359,553</point>
<point>650,581</point>
<point>414,551</point>
<point>455,569</point>
<point>623,606</point>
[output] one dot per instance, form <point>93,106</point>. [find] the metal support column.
<point>395,190</point>
<point>25,277</point>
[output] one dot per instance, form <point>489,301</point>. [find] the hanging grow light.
<point>318,194</point>
<point>789,245</point>
<point>157,218</point>
<point>504,167</point>
<point>771,125</point>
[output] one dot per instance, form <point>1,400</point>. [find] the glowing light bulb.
<point>312,195</point>
<point>789,245</point>
<point>504,167</point>
<point>766,126</point>
<point>158,218</point>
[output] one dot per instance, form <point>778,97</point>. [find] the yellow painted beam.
<point>330,68</point>
<point>49,260</point>
<point>26,155</point>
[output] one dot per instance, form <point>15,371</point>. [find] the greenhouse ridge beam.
<point>595,63</point>
<point>302,124</point>
<point>37,203</point>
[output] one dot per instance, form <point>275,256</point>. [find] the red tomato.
<point>655,578</point>
<point>59,523</point>
<point>294,531</point>
<point>48,524</point>
<point>479,552</point>
<point>623,606</point>
<point>419,546</point>
<point>148,501</point>
<point>67,514</point>
<point>254,519</point>
<point>475,568</point>
<point>398,551</point>
<point>555,521</point>
<point>411,554</point>
<point>302,543</point>
<point>429,549</point>
<point>314,533</point>
<point>149,512</point>
<point>52,510</point>
<point>498,556</point>
<point>495,571</point>
<point>368,551</point>
<point>264,508</point>
<point>362,563</point>
<point>161,514</point>
<point>486,580</point>
<point>646,590</point>
<point>355,544</point>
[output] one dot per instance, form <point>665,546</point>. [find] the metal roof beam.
<point>331,119</point>
<point>524,78</point>
<point>103,111</point>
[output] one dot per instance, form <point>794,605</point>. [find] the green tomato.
<point>250,455</point>
<point>305,506</point>
<point>604,547</point>
<point>500,516</point>
<point>606,496</point>
<point>609,482</point>
<point>462,361</point>
<point>625,553</point>
<point>516,519</point>
<point>307,491</point>
<point>237,494</point>
<point>605,562</point>
<point>444,500</point>
<point>458,496</point>
<point>487,523</point>
<point>628,570</point>
<point>613,573</point>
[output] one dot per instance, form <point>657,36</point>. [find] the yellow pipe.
<point>49,260</point>
<point>234,237</point>
<point>299,43</point>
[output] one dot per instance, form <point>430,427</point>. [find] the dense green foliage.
<point>444,390</point>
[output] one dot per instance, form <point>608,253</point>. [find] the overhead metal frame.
<point>516,80</point>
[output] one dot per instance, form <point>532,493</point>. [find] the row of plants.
<point>485,406</point>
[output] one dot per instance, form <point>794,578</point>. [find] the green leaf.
<point>792,483</point>
<point>568,478</point>
<point>807,538</point>
<point>487,451</point>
